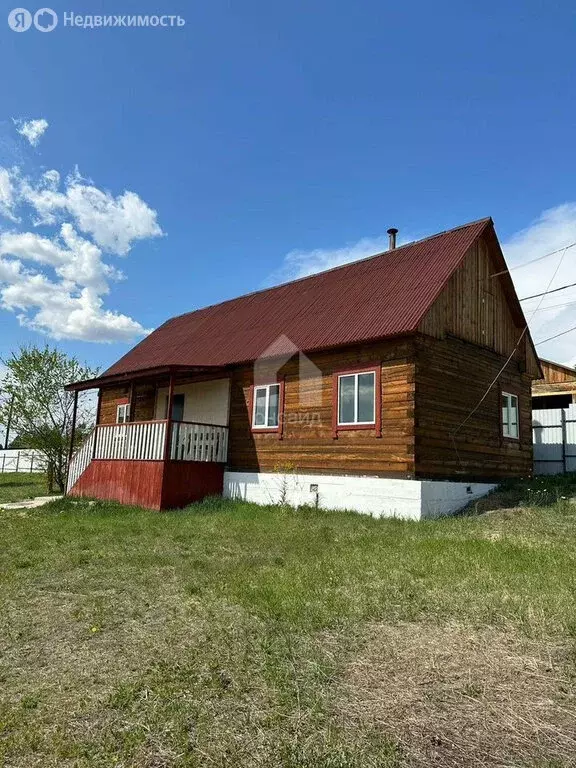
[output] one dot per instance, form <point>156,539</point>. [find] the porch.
<point>160,462</point>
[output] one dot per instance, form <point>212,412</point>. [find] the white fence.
<point>22,460</point>
<point>554,435</point>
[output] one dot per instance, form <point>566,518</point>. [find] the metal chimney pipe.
<point>392,232</point>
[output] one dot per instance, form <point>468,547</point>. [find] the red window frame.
<point>279,430</point>
<point>375,368</point>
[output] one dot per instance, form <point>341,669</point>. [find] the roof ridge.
<point>485,220</point>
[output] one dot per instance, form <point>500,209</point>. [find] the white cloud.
<point>7,197</point>
<point>56,283</point>
<point>32,130</point>
<point>299,263</point>
<point>63,315</point>
<point>554,229</point>
<point>115,223</point>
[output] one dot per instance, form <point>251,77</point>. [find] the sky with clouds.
<point>163,172</point>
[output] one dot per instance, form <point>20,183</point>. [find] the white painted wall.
<point>376,496</point>
<point>206,402</point>
<point>446,497</point>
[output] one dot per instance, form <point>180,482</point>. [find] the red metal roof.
<point>384,295</point>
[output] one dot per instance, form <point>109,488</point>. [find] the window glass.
<point>346,397</point>
<point>366,397</point>
<point>513,416</point>
<point>260,407</point>
<point>122,413</point>
<point>510,426</point>
<point>505,414</point>
<point>273,405</point>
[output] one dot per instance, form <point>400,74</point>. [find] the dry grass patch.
<point>457,697</point>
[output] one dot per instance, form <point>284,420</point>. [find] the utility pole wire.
<point>562,333</point>
<point>545,293</point>
<point>533,261</point>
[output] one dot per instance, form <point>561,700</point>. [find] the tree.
<point>41,410</point>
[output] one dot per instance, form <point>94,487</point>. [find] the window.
<point>266,407</point>
<point>357,398</point>
<point>122,413</point>
<point>509,415</point>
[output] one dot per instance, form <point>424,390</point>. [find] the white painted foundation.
<point>376,496</point>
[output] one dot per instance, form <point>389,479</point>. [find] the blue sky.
<point>264,140</point>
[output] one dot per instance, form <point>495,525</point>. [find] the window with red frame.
<point>356,398</point>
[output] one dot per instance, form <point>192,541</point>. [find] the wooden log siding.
<point>451,377</point>
<point>144,400</point>
<point>307,442</point>
<point>556,374</point>
<point>473,306</point>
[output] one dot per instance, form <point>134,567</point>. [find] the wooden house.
<point>557,388</point>
<point>395,385</point>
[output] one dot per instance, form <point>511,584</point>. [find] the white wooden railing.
<point>198,442</point>
<point>80,460</point>
<point>135,440</point>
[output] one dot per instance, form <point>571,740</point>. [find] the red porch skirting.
<point>152,484</point>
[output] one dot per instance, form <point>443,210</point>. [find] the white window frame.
<point>511,399</point>
<point>355,423</point>
<point>123,408</point>
<point>267,388</point>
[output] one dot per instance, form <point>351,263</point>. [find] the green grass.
<point>17,486</point>
<point>223,634</point>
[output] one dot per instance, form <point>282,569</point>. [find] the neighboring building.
<point>557,389</point>
<point>365,387</point>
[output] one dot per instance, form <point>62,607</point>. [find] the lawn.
<point>16,486</point>
<point>233,635</point>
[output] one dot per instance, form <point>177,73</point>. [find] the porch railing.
<point>198,442</point>
<point>145,441</point>
<point>80,460</point>
<point>135,440</point>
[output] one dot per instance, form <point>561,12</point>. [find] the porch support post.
<point>169,418</point>
<point>131,402</point>
<point>72,435</point>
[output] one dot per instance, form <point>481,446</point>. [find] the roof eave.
<point>144,373</point>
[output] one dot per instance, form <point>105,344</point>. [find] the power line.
<point>524,330</point>
<point>554,290</point>
<point>557,306</point>
<point>562,333</point>
<point>533,261</point>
